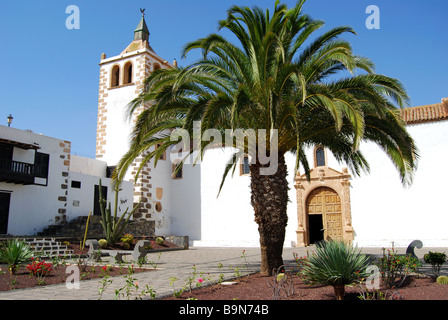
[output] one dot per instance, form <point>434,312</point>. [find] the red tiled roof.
<point>427,113</point>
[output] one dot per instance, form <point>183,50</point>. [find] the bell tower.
<point>121,80</point>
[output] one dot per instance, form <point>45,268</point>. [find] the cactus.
<point>442,280</point>
<point>160,241</point>
<point>112,226</point>
<point>102,243</point>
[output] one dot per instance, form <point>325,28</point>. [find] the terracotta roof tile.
<point>427,113</point>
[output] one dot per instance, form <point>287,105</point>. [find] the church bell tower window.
<point>115,76</point>
<point>128,73</point>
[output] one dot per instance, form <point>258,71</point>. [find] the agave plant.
<point>337,264</point>
<point>15,252</point>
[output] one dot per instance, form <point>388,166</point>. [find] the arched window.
<point>179,174</point>
<point>245,166</point>
<point>115,76</point>
<point>320,157</point>
<point>127,73</point>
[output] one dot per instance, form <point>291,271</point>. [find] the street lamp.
<point>9,119</point>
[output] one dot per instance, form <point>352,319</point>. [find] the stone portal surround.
<point>323,177</point>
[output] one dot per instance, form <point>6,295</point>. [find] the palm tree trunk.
<point>269,200</point>
<point>339,291</point>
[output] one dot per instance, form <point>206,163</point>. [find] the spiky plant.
<point>337,264</point>
<point>14,253</point>
<point>112,224</point>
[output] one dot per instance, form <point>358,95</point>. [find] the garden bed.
<point>23,279</point>
<point>257,287</point>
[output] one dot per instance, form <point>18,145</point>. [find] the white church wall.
<point>161,193</point>
<point>117,129</point>
<point>384,211</point>
<point>228,219</point>
<point>185,202</point>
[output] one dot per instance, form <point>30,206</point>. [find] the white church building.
<point>372,210</point>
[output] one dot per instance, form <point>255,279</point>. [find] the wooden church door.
<point>327,203</point>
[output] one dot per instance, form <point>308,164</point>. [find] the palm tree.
<point>278,79</point>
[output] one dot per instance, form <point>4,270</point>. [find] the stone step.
<point>49,248</point>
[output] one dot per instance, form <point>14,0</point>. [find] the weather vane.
<point>142,11</point>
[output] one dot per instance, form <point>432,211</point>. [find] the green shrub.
<point>442,280</point>
<point>435,259</point>
<point>15,253</point>
<point>337,264</point>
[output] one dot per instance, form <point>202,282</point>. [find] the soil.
<point>23,279</point>
<point>257,287</point>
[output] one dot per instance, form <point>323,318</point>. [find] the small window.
<point>163,156</point>
<point>320,157</point>
<point>115,77</point>
<point>76,184</point>
<point>127,73</point>
<point>245,166</point>
<point>177,175</point>
<point>156,66</point>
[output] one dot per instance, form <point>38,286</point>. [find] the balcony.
<point>16,172</point>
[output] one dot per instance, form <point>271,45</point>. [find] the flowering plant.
<point>39,268</point>
<point>395,267</point>
<point>128,238</point>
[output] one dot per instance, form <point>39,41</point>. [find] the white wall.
<point>81,201</point>
<point>384,211</point>
<point>228,220</point>
<point>88,166</point>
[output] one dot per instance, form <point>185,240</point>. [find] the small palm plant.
<point>337,264</point>
<point>14,253</point>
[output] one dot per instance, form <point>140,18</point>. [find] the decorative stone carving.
<point>323,177</point>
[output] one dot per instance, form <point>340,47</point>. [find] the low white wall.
<point>88,166</point>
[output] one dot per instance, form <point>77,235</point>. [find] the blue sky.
<point>50,74</point>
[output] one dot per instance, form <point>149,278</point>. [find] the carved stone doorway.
<point>326,196</point>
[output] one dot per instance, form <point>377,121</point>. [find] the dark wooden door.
<point>5,199</point>
<point>96,199</point>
